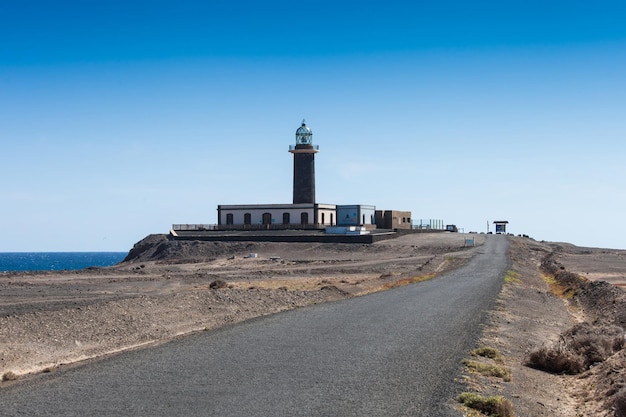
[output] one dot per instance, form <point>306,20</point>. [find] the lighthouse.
<point>304,166</point>
<point>304,213</point>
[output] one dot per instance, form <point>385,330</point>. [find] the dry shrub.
<point>9,376</point>
<point>512,277</point>
<point>218,283</point>
<point>488,352</point>
<point>619,403</point>
<point>556,358</point>
<point>495,406</point>
<point>580,347</point>
<point>488,370</point>
<point>596,344</point>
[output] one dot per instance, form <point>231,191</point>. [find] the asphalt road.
<point>393,353</point>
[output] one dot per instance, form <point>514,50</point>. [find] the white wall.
<point>257,211</point>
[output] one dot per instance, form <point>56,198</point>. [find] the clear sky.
<point>119,118</point>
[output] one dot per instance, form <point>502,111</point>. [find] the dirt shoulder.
<point>527,316</point>
<point>548,292</point>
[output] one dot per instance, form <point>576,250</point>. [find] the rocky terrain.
<point>166,289</point>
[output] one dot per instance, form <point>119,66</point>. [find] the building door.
<point>323,218</point>
<point>229,218</point>
<point>304,218</point>
<point>286,219</point>
<point>247,218</point>
<point>267,218</point>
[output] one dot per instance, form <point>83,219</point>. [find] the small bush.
<point>557,359</point>
<point>218,283</point>
<point>494,406</point>
<point>512,277</point>
<point>488,370</point>
<point>619,403</point>
<point>595,344</point>
<point>9,376</point>
<point>488,352</point>
<point>580,347</point>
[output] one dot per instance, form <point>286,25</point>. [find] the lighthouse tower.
<point>304,166</point>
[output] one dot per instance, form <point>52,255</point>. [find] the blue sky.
<point>118,119</point>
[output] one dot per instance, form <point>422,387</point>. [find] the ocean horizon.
<point>57,261</point>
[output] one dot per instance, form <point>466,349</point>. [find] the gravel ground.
<point>51,319</point>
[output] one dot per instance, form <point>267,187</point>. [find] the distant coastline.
<point>57,261</point>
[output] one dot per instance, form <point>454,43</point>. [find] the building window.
<point>363,219</point>
<point>332,218</point>
<point>229,218</point>
<point>323,218</point>
<point>247,218</point>
<point>304,218</point>
<point>286,219</point>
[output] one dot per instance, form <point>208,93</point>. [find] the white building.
<point>356,215</point>
<point>280,216</point>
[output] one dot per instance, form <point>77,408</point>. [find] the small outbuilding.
<point>501,226</point>
<point>355,215</point>
<point>393,219</point>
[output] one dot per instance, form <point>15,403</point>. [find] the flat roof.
<point>367,206</point>
<point>275,206</point>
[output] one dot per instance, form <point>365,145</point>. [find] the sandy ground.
<point>595,264</point>
<point>49,320</point>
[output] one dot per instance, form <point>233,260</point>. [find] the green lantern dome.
<point>304,135</point>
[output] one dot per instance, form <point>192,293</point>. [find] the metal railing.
<point>315,147</point>
<point>193,227</point>
<point>429,224</point>
<point>251,227</point>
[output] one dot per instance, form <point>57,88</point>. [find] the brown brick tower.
<point>304,166</point>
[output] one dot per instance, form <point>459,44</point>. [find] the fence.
<point>250,227</point>
<point>429,224</point>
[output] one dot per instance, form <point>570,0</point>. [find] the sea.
<point>57,261</point>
